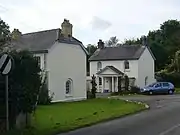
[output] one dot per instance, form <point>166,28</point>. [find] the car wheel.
<point>150,92</point>
<point>170,92</point>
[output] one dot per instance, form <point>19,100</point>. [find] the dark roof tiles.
<point>43,40</point>
<point>125,52</point>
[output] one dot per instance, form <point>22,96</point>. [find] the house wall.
<point>146,68</point>
<point>119,64</point>
<point>67,61</point>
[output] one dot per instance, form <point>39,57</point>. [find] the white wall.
<point>132,72</point>
<point>146,68</point>
<point>67,61</point>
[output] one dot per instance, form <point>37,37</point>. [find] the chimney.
<point>100,44</point>
<point>144,40</point>
<point>16,34</point>
<point>66,28</point>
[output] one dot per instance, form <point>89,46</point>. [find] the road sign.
<point>5,68</point>
<point>5,64</point>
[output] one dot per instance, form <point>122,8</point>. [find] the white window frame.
<point>69,86</point>
<point>125,67</point>
<point>99,65</point>
<point>38,58</point>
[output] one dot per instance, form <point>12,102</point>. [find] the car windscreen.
<point>151,85</point>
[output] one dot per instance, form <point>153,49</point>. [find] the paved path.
<point>162,119</point>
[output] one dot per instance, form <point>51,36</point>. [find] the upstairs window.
<point>99,65</point>
<point>126,64</point>
<point>38,58</point>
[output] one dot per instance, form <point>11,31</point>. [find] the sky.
<point>92,19</point>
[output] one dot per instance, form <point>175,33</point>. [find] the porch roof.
<point>117,71</point>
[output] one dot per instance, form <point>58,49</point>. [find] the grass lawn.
<point>61,117</point>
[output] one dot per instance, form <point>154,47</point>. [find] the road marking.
<point>170,129</point>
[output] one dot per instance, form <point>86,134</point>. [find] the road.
<point>163,118</point>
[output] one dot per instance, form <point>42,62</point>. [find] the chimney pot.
<point>144,40</point>
<point>16,34</point>
<point>66,28</point>
<point>100,44</point>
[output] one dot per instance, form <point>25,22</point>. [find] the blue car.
<point>159,88</point>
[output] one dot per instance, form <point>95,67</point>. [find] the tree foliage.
<point>113,41</point>
<point>91,49</point>
<point>94,89</point>
<point>164,42</point>
<point>24,81</point>
<point>4,33</point>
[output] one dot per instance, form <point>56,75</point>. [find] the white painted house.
<point>61,57</point>
<point>111,64</point>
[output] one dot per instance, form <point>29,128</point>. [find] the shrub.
<point>94,89</point>
<point>172,77</point>
<point>89,95</point>
<point>126,83</point>
<point>134,90</point>
<point>44,97</point>
<point>114,93</point>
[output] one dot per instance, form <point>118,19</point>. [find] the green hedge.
<point>173,77</point>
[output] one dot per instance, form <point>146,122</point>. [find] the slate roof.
<point>125,52</point>
<point>41,41</point>
<point>112,68</point>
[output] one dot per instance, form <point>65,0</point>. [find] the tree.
<point>4,33</point>
<point>126,82</point>
<point>93,90</point>
<point>113,41</point>
<point>132,41</point>
<point>24,83</point>
<point>163,42</point>
<point>91,49</point>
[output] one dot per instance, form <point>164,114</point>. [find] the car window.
<point>151,85</point>
<point>158,85</point>
<point>165,84</point>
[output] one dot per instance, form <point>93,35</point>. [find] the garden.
<point>61,117</point>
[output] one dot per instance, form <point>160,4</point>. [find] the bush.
<point>134,90</point>
<point>44,97</point>
<point>89,95</point>
<point>114,93</point>
<point>172,77</point>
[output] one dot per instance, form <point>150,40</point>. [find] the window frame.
<point>100,81</point>
<point>160,85</point>
<point>38,58</point>
<point>69,84</point>
<point>165,83</point>
<point>146,80</point>
<point>126,65</point>
<point>99,65</point>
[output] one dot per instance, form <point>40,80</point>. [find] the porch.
<point>110,79</point>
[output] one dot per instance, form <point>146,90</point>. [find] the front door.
<point>107,84</point>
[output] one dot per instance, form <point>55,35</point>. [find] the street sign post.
<point>5,67</point>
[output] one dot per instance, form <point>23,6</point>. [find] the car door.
<point>165,87</point>
<point>157,88</point>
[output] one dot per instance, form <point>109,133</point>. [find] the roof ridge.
<point>41,31</point>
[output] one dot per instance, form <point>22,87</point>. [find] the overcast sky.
<point>91,19</point>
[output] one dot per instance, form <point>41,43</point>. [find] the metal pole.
<point>7,102</point>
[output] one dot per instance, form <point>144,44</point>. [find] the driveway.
<point>163,118</point>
